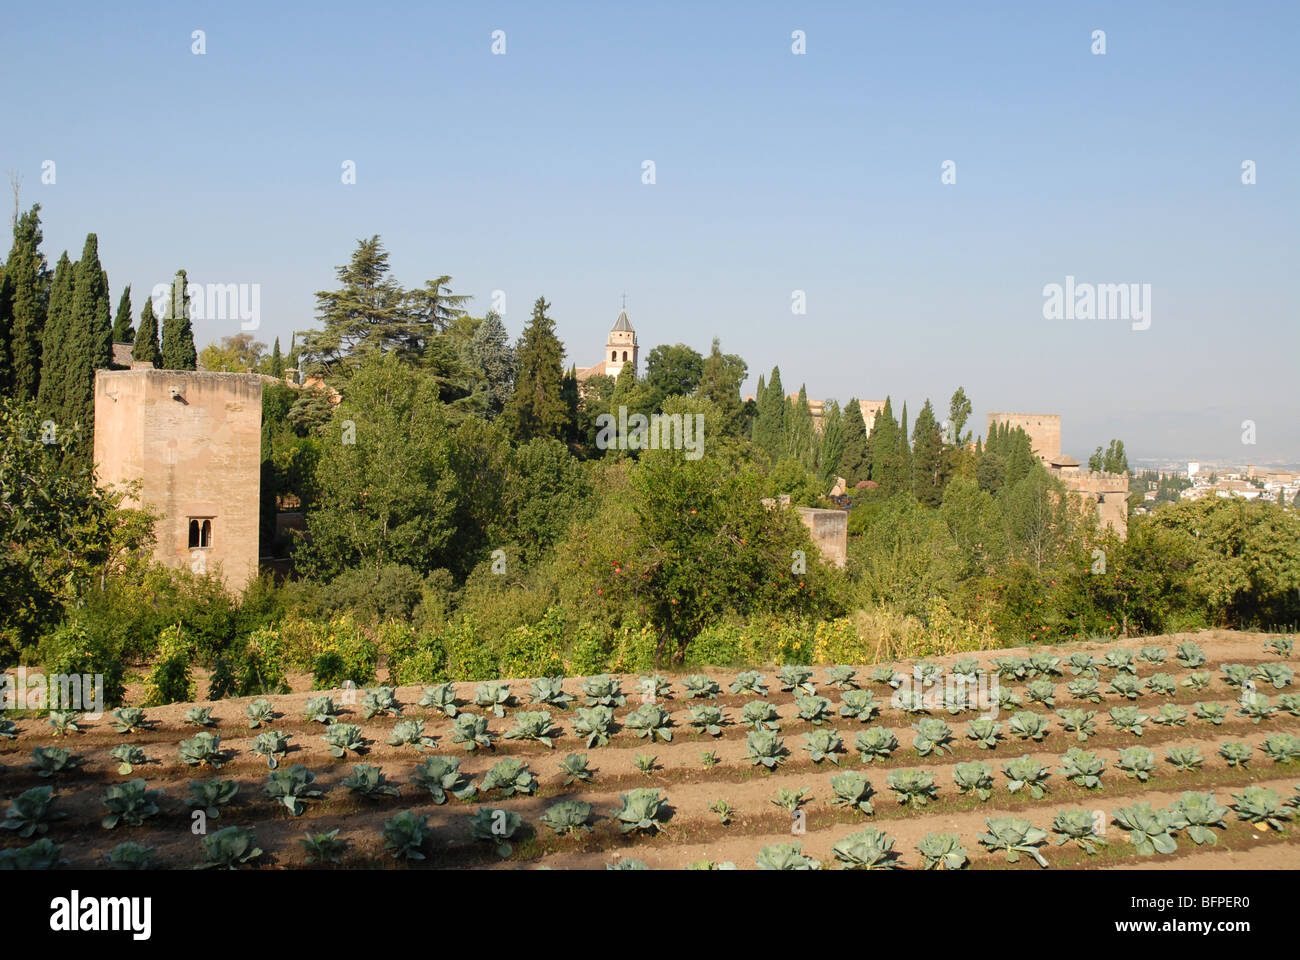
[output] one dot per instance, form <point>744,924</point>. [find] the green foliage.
<point>322,709</point>
<point>699,686</point>
<point>1079,826</point>
<point>259,712</point>
<point>914,788</point>
<point>708,719</point>
<point>273,745</point>
<point>470,730</point>
<point>324,847</point>
<point>1170,715</point>
<point>442,776</point>
<point>974,777</point>
<point>1026,773</point>
<point>31,812</point>
<point>942,851</point>
<point>203,749</point>
<point>932,736</point>
<point>344,737</point>
<point>292,788</point>
<point>495,697</point>
<point>1029,726</point>
<point>1281,747</point>
<point>128,756</point>
<point>568,816</point>
<point>813,709</point>
<point>1197,814</point>
<point>785,856</point>
<point>1150,830</point>
<point>1189,654</point>
<point>595,724</point>
<point>369,782</point>
<point>406,834</point>
<point>41,855</point>
<point>510,776</point>
<point>532,726</point>
<point>381,701</point>
<point>760,715</point>
<point>852,789</point>
<point>574,767</point>
<point>1085,688</point>
<point>129,719</point>
<point>1128,719</point>
<point>985,731</point>
<point>1262,807</point>
<point>1236,753</point>
<point>1136,762</point>
<point>858,704</point>
<point>875,742</point>
<point>199,717</point>
<point>1014,836</point>
<point>442,698</point>
<point>550,691</point>
<point>51,760</point>
<point>645,762</point>
<point>823,745</point>
<point>764,747</point>
<point>1082,768</point>
<point>211,795</point>
<point>410,733</point>
<point>749,681</point>
<point>64,722</point>
<point>130,856</point>
<point>603,691</point>
<point>131,803</point>
<point>1078,722</point>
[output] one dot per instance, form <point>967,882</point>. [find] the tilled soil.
<point>692,832</point>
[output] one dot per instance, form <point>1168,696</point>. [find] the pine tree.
<point>145,348</point>
<point>123,328</point>
<point>854,464</point>
<point>495,358</point>
<point>24,301</point>
<point>54,340</point>
<point>927,458</point>
<point>538,408</point>
<point>178,351</point>
<point>720,384</point>
<point>277,361</point>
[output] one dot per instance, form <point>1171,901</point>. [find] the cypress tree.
<point>769,424</point>
<point>904,452</point>
<point>854,466</point>
<point>54,338</point>
<point>886,462</point>
<point>800,442</point>
<point>89,337</point>
<point>123,328</point>
<point>538,407</point>
<point>277,361</point>
<point>927,458</point>
<point>24,300</point>
<point>755,429</point>
<point>832,443</point>
<point>145,349</point>
<point>178,351</point>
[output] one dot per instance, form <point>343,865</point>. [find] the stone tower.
<point>620,346</point>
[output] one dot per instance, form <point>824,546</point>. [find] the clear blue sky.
<point>774,172</point>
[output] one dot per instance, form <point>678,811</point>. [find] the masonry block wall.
<point>830,533</point>
<point>1044,431</point>
<point>193,441</point>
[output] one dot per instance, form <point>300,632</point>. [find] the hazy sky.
<point>774,172</point>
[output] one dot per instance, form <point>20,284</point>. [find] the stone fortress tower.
<point>620,350</point>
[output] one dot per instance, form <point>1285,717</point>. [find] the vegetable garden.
<point>1099,754</point>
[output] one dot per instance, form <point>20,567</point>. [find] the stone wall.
<point>1108,494</point>
<point>1044,431</point>
<point>830,532</point>
<point>193,440</point>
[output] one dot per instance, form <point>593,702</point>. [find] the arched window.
<point>625,356</point>
<point>205,534</point>
<point>613,355</point>
<point>194,534</point>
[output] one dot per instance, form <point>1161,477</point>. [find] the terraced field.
<point>1252,820</point>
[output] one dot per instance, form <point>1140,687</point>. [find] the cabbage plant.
<point>813,709</point>
<point>1014,836</point>
<point>259,713</point>
<point>510,776</point>
<point>841,677</point>
<point>550,691</point>
<point>645,762</point>
<point>43,854</point>
<point>1149,830</point>
<point>852,789</point>
<point>1278,674</point>
<point>942,851</point>
<point>1008,699</point>
<point>1085,688</point>
<point>1128,719</point>
<point>1137,763</point>
<point>202,750</point>
<point>1078,722</point>
<point>867,849</point>
<point>1214,713</point>
<point>1028,725</point>
<point>707,719</point>
<point>700,686</point>
<point>442,776</point>
<point>369,782</point>
<point>785,856</point>
<point>910,701</point>
<point>31,812</point>
<point>322,709</point>
<point>1235,674</point>
<point>406,834</point>
<point>914,788</point>
<point>130,856</point>
<point>1282,646</point>
<point>51,760</point>
<point>1026,773</point>
<point>229,848</point>
<point>199,717</point>
<point>129,803</point>
<point>1082,768</point>
<point>1083,664</point>
<point>128,757</point>
<point>796,678</point>
<point>64,722</point>
<point>1289,702</point>
<point>410,733</point>
<point>1079,826</point>
<point>1153,654</point>
<point>381,701</point>
<point>442,698</point>
<point>344,737</point>
<point>1198,680</point>
<point>1256,707</point>
<point>575,769</point>
<point>324,847</point>
<point>1196,814</point>
<point>495,697</point>
<point>654,687</point>
<point>968,667</point>
<point>651,722</point>
<point>1043,664</point>
<point>273,745</point>
<point>791,800</point>
<point>1013,668</point>
<point>211,795</point>
<point>603,691</point>
<point>643,809</point>
<point>974,777</point>
<point>471,731</point>
<point>594,723</point>
<point>1127,685</point>
<point>875,742</point>
<point>823,745</point>
<point>760,715</point>
<point>1121,660</point>
<point>533,725</point>
<point>886,676</point>
<point>766,748</point>
<point>128,719</point>
<point>749,681</point>
<point>1236,753</point>
<point>1190,655</point>
<point>627,863</point>
<point>568,816</point>
<point>932,736</point>
<point>1171,715</point>
<point>292,788</point>
<point>858,704</point>
<point>985,731</point>
<point>8,730</point>
<point>1041,691</point>
<point>1281,747</point>
<point>1263,808</point>
<point>1162,684</point>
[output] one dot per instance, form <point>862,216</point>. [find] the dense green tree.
<point>24,302</point>
<point>927,458</point>
<point>832,444</point>
<point>672,371</point>
<point>888,466</point>
<point>89,340</point>
<point>905,450</point>
<point>768,430</point>
<point>855,464</point>
<point>145,348</point>
<point>367,314</point>
<point>123,325</point>
<point>178,351</point>
<point>959,409</point>
<point>54,340</point>
<point>495,359</point>
<point>234,354</point>
<point>275,366</point>
<point>720,385</point>
<point>537,408</point>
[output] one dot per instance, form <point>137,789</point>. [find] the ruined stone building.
<point>193,443</point>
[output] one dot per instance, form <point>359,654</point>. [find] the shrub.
<point>346,654</point>
<point>169,681</point>
<point>82,646</point>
